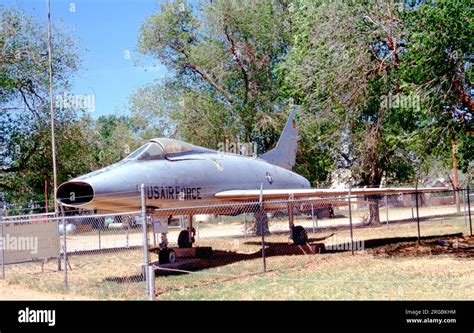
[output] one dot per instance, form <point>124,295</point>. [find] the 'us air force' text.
<point>173,192</point>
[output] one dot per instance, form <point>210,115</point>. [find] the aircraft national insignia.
<point>218,165</point>
<point>269,177</point>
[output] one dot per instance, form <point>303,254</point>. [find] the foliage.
<point>385,88</point>
<point>438,62</point>
<point>222,57</point>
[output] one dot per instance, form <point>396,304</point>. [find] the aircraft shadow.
<point>272,249</point>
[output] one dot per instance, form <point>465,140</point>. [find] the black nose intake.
<point>75,193</point>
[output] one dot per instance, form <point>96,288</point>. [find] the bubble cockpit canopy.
<point>159,147</point>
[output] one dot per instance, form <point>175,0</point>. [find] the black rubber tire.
<point>183,240</point>
<point>163,256</point>
<point>171,256</point>
<point>300,237</point>
<point>167,256</point>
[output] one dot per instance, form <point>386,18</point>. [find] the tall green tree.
<point>222,56</point>
<point>343,69</point>
<point>439,63</point>
<point>223,85</point>
<point>24,100</point>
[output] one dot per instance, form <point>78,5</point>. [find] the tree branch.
<point>201,72</point>
<point>238,61</point>
<point>208,79</point>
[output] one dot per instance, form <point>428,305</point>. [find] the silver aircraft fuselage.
<point>174,180</point>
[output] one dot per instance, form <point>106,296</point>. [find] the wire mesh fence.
<point>83,254</point>
<point>106,255</point>
<point>382,224</point>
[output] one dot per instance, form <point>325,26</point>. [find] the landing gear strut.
<point>185,248</point>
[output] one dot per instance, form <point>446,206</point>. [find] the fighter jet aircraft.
<point>179,174</point>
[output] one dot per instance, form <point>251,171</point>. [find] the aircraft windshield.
<point>157,148</point>
<point>150,151</point>
<point>172,146</point>
<point>137,152</point>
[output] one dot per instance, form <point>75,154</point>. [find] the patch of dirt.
<point>460,247</point>
<point>10,292</point>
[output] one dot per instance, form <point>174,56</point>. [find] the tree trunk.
<point>455,173</point>
<point>374,211</point>
<point>374,181</point>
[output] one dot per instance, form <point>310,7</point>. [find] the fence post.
<point>262,227</point>
<point>386,209</point>
<point>469,208</point>
<point>145,237</point>
<point>417,212</point>
<point>465,206</point>
<point>127,243</point>
<point>198,233</point>
<point>245,225</point>
<point>151,283</point>
<point>100,245</point>
<point>64,245</point>
<point>2,249</point>
<point>350,218</point>
<point>312,218</point>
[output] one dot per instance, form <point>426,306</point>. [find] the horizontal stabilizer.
<point>250,195</point>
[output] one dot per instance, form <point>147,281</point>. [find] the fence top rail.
<point>73,217</point>
<point>27,216</point>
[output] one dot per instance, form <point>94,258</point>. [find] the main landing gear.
<point>186,239</point>
<point>298,234</point>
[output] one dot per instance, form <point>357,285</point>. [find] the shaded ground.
<point>226,226</point>
<point>458,246</point>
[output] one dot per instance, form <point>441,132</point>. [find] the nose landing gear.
<point>186,238</point>
<point>167,256</point>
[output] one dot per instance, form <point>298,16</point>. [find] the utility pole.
<point>51,108</point>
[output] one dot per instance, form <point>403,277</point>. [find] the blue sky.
<point>107,32</point>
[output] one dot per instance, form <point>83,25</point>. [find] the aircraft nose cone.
<point>75,193</point>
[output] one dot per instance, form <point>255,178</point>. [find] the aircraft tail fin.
<point>284,153</point>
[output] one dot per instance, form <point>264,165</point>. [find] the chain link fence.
<point>76,252</point>
<point>116,256</point>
